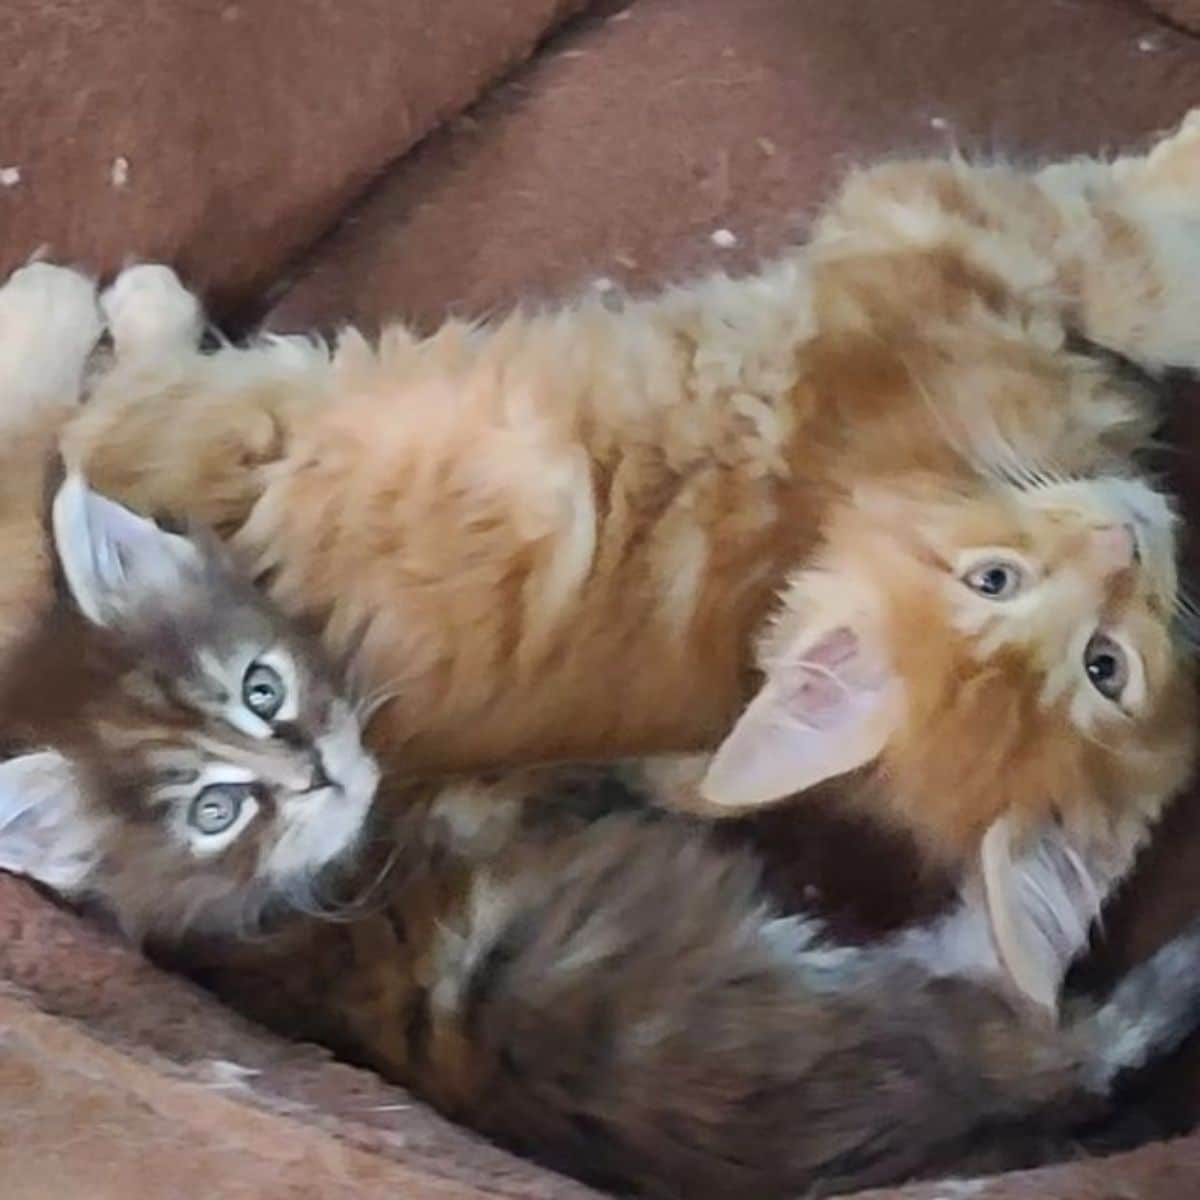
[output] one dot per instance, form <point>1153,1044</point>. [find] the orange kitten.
<point>560,535</point>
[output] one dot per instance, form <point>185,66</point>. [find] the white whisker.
<point>367,708</point>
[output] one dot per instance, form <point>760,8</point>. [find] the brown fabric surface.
<point>66,1095</point>
<point>1167,1171</point>
<point>225,136</point>
<point>1184,13</point>
<point>157,1025</point>
<point>620,150</point>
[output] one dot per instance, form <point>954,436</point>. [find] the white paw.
<point>49,324</point>
<point>150,312</point>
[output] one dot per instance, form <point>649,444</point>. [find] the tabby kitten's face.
<point>187,740</point>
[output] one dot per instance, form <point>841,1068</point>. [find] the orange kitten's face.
<point>1032,633</point>
<point>1009,652</point>
<point>1001,671</point>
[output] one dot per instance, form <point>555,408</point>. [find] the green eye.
<point>217,807</point>
<point>263,692</point>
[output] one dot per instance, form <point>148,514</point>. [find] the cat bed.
<point>646,140</point>
<point>226,137</point>
<point>120,1081</point>
<point>1184,13</point>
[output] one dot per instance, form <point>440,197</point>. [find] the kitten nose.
<point>1116,546</point>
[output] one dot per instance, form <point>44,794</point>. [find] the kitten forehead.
<point>1105,499</point>
<point>1051,524</point>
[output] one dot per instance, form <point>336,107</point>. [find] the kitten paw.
<point>49,325</point>
<point>150,312</point>
<point>1173,165</point>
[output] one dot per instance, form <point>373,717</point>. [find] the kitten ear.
<point>44,832</point>
<point>112,559</point>
<point>827,707</point>
<point>1041,901</point>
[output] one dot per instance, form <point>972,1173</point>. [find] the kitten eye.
<point>217,807</point>
<point>263,692</point>
<point>995,579</point>
<point>1107,666</point>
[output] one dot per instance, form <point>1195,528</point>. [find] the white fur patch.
<point>49,324</point>
<point>569,489</point>
<point>149,312</point>
<point>318,827</point>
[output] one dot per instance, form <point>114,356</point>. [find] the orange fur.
<point>559,535</point>
<point>998,718</point>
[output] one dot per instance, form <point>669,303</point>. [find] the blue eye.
<point>217,807</point>
<point>1107,666</point>
<point>995,579</point>
<point>263,692</point>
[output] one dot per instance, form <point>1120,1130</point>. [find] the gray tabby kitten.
<point>546,960</point>
<point>190,747</point>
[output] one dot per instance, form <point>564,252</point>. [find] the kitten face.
<point>1000,668</point>
<point>1031,633</point>
<point>1009,648</point>
<point>209,759</point>
<point>1077,581</point>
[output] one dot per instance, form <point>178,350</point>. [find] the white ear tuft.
<point>827,707</point>
<point>112,559</point>
<point>44,830</point>
<point>1041,902</point>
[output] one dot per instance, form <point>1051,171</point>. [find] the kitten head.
<point>188,755</point>
<point>1001,669</point>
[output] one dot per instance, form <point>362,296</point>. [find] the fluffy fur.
<point>562,535</point>
<point>545,960</point>
<point>533,511</point>
<point>171,734</point>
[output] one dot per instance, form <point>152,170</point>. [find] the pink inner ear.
<point>822,712</point>
<point>822,682</point>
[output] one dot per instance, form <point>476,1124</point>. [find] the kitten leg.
<point>1108,249</point>
<point>49,324</point>
<point>1131,243</point>
<point>1170,173</point>
<point>150,313</point>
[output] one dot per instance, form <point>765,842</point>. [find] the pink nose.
<point>1115,546</point>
